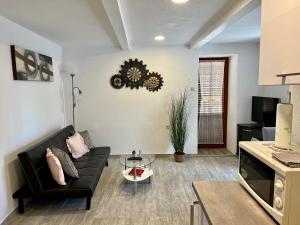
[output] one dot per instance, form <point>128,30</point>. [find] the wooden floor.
<point>164,202</point>
<point>214,152</point>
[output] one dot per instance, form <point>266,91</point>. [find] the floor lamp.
<point>73,98</point>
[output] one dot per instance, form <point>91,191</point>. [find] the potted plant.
<point>178,117</point>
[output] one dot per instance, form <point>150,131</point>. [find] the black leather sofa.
<point>39,182</point>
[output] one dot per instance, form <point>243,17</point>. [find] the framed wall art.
<point>30,66</point>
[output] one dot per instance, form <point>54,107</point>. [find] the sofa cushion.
<point>55,167</point>
<point>66,162</point>
<point>76,145</point>
<point>87,139</point>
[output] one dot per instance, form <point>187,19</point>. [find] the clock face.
<point>134,74</point>
<point>117,81</point>
<point>154,82</point>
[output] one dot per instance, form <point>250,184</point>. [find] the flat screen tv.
<point>264,110</point>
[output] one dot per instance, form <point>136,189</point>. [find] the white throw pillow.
<point>55,168</point>
<point>76,146</point>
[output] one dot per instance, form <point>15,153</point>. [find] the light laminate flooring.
<point>166,201</point>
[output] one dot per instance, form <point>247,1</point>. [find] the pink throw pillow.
<point>55,167</point>
<point>76,146</point>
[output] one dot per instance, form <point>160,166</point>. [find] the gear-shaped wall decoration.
<point>154,82</point>
<point>117,81</point>
<point>134,73</point>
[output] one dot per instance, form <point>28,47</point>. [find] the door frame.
<point>225,103</point>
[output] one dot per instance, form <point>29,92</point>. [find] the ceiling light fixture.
<point>159,38</point>
<point>180,1</point>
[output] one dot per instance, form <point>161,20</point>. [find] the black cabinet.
<point>247,131</point>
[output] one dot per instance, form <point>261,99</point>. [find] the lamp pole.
<point>73,98</point>
<point>73,101</point>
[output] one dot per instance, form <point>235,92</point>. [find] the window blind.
<point>211,101</point>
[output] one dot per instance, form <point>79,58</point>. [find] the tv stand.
<point>246,131</point>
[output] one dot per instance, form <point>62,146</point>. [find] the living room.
<point>96,40</point>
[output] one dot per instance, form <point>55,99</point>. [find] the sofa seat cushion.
<point>89,168</point>
<point>94,159</point>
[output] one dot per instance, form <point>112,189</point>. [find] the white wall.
<point>134,119</point>
<point>274,91</point>
<point>28,110</point>
<point>131,119</point>
<point>281,92</point>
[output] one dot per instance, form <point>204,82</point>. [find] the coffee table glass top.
<point>146,161</point>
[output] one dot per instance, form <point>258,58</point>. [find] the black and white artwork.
<point>31,66</point>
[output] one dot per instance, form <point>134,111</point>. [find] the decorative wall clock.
<point>154,82</point>
<point>134,74</point>
<point>117,81</point>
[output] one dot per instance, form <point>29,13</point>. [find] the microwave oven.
<point>275,186</point>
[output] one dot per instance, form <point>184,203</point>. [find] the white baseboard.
<point>10,212</point>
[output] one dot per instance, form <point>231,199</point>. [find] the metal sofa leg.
<point>88,203</point>
<point>106,163</point>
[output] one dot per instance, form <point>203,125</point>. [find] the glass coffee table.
<point>134,166</point>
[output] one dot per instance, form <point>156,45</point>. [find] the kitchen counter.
<point>228,203</point>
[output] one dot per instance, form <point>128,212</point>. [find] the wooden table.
<point>227,203</point>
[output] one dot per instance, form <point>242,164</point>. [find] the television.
<point>264,110</point>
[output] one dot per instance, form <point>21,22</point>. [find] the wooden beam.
<point>226,16</point>
<point>116,18</point>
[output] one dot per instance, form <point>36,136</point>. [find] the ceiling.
<point>246,29</point>
<point>111,24</point>
<point>66,22</point>
<point>178,23</point>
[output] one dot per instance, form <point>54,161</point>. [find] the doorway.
<point>212,103</point>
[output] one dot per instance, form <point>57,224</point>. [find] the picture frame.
<point>28,65</point>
